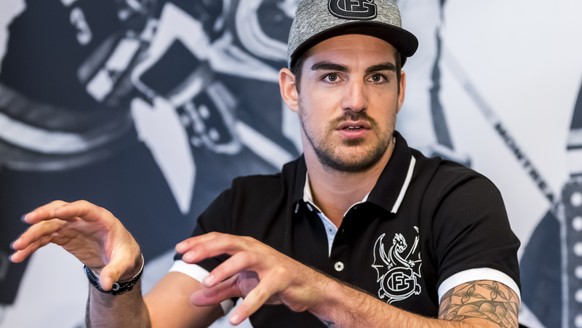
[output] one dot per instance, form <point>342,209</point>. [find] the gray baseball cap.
<point>318,20</point>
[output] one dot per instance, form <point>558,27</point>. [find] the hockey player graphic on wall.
<point>148,108</point>
<point>552,287</point>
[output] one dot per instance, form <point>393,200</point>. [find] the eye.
<point>331,77</point>
<point>378,78</point>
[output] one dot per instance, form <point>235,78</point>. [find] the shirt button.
<point>338,266</point>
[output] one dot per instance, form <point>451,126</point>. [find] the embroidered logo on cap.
<point>353,9</point>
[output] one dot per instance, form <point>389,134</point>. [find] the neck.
<point>334,192</point>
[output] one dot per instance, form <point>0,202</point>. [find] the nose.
<point>355,97</point>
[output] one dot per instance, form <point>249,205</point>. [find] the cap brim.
<point>405,42</point>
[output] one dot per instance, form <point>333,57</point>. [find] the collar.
<point>394,180</point>
<point>307,195</point>
<point>389,190</point>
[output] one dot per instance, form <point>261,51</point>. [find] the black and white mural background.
<point>150,107</point>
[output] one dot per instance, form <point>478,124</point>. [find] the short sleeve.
<point>472,230</point>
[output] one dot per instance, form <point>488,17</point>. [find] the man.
<point>423,242</point>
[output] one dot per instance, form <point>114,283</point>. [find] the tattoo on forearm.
<point>481,299</point>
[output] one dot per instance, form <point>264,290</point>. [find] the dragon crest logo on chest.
<point>398,268</point>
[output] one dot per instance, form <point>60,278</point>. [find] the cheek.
<point>310,110</point>
<point>308,120</point>
<point>312,123</point>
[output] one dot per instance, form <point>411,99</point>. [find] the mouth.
<point>354,126</point>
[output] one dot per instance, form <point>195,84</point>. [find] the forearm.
<point>123,311</point>
<point>344,306</point>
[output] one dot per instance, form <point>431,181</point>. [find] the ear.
<point>288,89</point>
<point>402,92</point>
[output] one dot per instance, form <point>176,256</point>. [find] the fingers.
<point>213,244</point>
<point>238,263</point>
<point>261,272</point>
<point>45,222</point>
<point>43,212</point>
<point>196,248</point>
<point>277,278</point>
<point>246,253</point>
<point>89,232</point>
<point>258,296</point>
<point>39,234</point>
<point>216,294</point>
<point>34,238</point>
<point>255,294</point>
<point>67,211</point>
<point>296,287</point>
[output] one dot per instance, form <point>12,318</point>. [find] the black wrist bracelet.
<point>119,287</point>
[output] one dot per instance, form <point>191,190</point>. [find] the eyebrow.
<point>329,66</point>
<point>381,67</point>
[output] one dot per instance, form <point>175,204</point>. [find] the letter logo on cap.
<point>353,9</point>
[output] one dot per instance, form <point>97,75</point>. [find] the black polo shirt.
<point>426,220</point>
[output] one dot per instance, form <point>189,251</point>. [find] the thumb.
<point>120,270</point>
